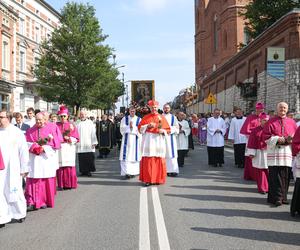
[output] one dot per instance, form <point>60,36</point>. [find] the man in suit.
<point>20,124</point>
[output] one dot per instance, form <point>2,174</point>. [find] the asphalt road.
<point>202,208</point>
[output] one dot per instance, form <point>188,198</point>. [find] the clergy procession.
<point>39,159</point>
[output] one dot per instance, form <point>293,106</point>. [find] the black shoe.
<point>293,214</point>
<point>43,207</point>
<point>131,176</point>
<point>147,184</point>
<point>285,202</point>
<point>262,192</point>
<point>220,165</point>
<point>169,174</point>
<point>175,174</point>
<point>60,189</point>
<point>215,165</point>
<point>100,157</point>
<point>30,208</point>
<point>278,203</point>
<point>21,220</point>
<point>2,225</point>
<point>89,174</point>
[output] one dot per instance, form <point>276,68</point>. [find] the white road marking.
<point>229,150</point>
<point>144,237</point>
<point>163,239</point>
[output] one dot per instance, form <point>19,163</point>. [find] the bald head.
<point>282,109</point>
<point>40,119</point>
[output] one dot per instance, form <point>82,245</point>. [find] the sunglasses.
<point>63,116</point>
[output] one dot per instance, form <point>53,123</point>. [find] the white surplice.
<point>87,135</point>
<point>234,131</point>
<point>43,165</point>
<point>15,154</point>
<point>130,152</point>
<point>215,139</point>
<point>171,139</point>
<point>31,122</point>
<point>183,138</point>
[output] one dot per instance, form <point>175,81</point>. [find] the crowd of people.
<point>266,145</point>
<point>38,154</point>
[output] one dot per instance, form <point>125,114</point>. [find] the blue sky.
<point>153,38</point>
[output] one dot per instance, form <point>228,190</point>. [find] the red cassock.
<point>251,122</point>
<point>1,161</point>
<point>256,142</point>
<point>296,142</point>
<point>153,164</point>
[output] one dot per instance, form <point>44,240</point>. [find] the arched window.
<point>215,32</point>
<point>246,36</point>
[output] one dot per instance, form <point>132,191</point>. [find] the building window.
<point>246,36</point>
<point>215,32</point>
<point>37,34</point>
<point>5,21</point>
<point>4,102</point>
<point>22,102</point>
<point>21,26</point>
<point>22,61</point>
<point>5,55</point>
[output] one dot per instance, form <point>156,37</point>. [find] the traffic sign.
<point>211,99</point>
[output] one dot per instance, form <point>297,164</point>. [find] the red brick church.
<point>233,68</point>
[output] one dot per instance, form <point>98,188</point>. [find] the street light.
<point>122,66</point>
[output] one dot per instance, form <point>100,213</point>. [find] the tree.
<point>261,14</point>
<point>74,68</point>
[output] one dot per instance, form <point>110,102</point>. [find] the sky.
<point>154,39</point>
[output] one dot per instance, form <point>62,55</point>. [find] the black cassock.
<point>118,134</point>
<point>105,137</point>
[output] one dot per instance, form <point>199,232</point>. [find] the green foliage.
<point>74,68</point>
<point>260,14</point>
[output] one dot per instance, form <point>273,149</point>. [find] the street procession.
<point>92,160</point>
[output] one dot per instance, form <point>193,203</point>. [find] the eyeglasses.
<point>63,116</point>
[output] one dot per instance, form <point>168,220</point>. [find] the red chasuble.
<point>153,165</point>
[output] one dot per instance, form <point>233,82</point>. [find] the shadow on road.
<point>254,234</point>
<point>220,188</point>
<point>221,198</point>
<point>265,215</point>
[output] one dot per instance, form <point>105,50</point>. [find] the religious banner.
<point>142,91</point>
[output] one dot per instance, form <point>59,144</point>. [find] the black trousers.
<point>86,162</point>
<point>295,204</point>
<point>239,153</point>
<point>279,181</point>
<point>104,151</point>
<point>215,155</point>
<point>180,158</point>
